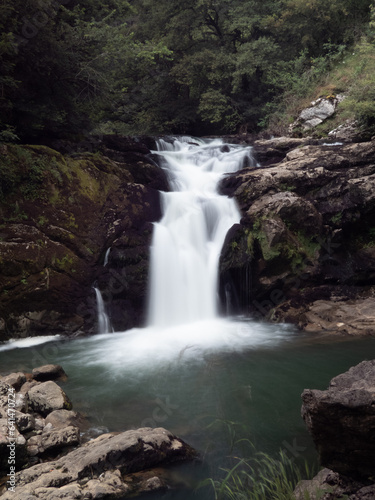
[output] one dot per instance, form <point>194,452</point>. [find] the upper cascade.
<point>187,241</point>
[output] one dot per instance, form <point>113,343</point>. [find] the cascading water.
<point>106,257</point>
<point>187,241</point>
<point>104,324</point>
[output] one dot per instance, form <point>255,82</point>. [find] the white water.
<point>106,257</point>
<point>104,325</point>
<point>27,342</point>
<point>187,241</point>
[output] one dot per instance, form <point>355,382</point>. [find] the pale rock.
<point>47,397</point>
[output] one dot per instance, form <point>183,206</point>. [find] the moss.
<point>291,252</point>
<point>28,169</point>
<point>249,242</point>
<point>286,187</point>
<point>42,220</point>
<point>71,222</point>
<point>336,219</point>
<point>310,247</point>
<point>65,264</point>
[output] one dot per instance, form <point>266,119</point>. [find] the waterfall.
<point>106,257</point>
<point>187,241</point>
<point>104,324</point>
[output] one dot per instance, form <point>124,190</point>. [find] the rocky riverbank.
<point>46,455</point>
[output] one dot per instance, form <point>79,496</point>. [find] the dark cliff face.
<point>307,235</point>
<point>60,214</point>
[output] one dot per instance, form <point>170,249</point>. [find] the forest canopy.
<point>139,66</point>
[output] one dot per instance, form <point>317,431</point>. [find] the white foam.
<point>27,342</point>
<point>142,348</point>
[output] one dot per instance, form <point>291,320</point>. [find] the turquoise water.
<point>209,394</point>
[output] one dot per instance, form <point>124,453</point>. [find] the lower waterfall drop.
<point>188,240</point>
<point>104,324</point>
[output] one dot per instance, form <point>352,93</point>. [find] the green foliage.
<point>215,108</point>
<point>335,219</point>
<point>26,169</point>
<point>200,66</point>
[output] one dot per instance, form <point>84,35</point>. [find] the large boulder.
<point>47,397</point>
<point>341,421</point>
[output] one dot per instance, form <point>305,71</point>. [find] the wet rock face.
<point>341,421</point>
<point>61,214</point>
<point>308,223</point>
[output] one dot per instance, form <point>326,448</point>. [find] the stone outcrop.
<point>340,310</point>
<point>48,441</point>
<point>60,214</point>
<point>341,421</point>
<point>320,110</point>
<point>306,236</point>
<point>346,132</point>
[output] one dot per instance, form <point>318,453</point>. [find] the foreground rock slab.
<point>98,469</point>
<point>341,421</point>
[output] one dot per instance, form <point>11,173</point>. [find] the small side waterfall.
<point>106,257</point>
<point>104,324</point>
<point>187,241</point>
